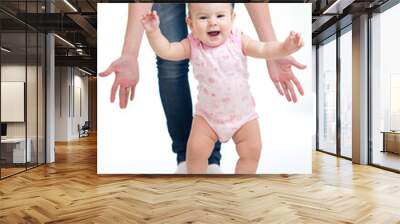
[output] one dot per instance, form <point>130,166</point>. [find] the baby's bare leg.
<point>248,146</point>
<point>200,144</point>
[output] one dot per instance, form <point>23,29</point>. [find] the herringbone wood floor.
<point>70,191</point>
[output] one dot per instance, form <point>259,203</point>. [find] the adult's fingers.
<point>297,64</point>
<point>291,91</point>
<point>133,92</point>
<point>113,91</point>
<point>285,90</point>
<point>298,85</point>
<point>123,96</point>
<point>279,88</point>
<point>108,71</point>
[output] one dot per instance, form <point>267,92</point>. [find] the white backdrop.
<point>136,141</point>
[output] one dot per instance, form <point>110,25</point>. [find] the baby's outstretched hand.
<point>150,21</point>
<point>293,42</point>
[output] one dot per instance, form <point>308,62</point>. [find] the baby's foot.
<point>293,42</point>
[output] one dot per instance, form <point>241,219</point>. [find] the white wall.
<point>61,103</point>
<point>67,81</point>
<point>13,72</point>
<point>33,127</point>
<point>17,73</point>
<point>80,118</point>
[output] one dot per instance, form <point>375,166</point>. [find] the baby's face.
<point>211,23</point>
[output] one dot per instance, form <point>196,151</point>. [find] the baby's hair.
<point>188,6</point>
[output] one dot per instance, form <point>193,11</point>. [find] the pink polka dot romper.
<point>224,98</point>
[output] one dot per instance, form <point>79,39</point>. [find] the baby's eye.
<point>203,17</point>
<point>220,16</point>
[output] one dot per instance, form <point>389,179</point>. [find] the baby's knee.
<point>196,152</point>
<point>252,151</point>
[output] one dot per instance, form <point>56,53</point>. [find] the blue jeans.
<point>174,85</point>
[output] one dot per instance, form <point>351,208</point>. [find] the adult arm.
<point>280,70</point>
<point>126,67</point>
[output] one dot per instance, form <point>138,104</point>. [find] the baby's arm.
<point>271,50</point>
<point>162,47</point>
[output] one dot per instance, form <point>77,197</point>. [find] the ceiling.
<point>75,43</point>
<point>332,15</point>
<point>76,22</point>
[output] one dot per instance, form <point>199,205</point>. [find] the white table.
<point>18,145</point>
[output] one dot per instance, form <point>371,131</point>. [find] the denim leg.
<point>173,82</point>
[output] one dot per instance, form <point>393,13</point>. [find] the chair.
<point>84,130</point>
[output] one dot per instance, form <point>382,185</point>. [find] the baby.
<point>225,107</point>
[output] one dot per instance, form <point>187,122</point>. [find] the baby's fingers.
<point>144,18</point>
<point>155,16</point>
<point>300,43</point>
<point>147,15</point>
<point>297,39</point>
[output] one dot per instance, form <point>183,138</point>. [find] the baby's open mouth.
<point>213,33</point>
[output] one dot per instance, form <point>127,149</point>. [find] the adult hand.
<point>126,71</point>
<point>281,74</point>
